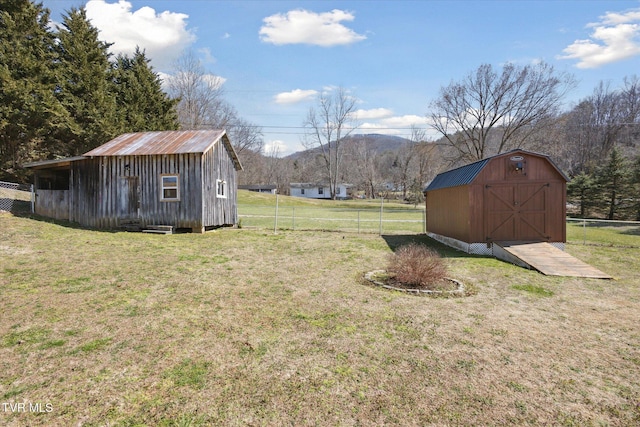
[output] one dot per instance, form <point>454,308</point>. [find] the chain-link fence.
<point>625,234</point>
<point>16,198</point>
<point>381,220</point>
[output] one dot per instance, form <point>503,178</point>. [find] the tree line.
<point>63,93</point>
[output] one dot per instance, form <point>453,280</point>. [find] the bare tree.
<point>199,93</point>
<point>202,106</point>
<point>425,155</point>
<point>363,164</point>
<point>602,121</point>
<point>509,106</point>
<point>326,127</point>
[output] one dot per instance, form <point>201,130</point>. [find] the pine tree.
<point>29,111</point>
<point>142,104</point>
<point>635,187</point>
<point>581,191</point>
<point>613,180</point>
<point>86,89</point>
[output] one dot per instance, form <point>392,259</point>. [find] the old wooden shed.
<point>517,196</point>
<point>182,180</point>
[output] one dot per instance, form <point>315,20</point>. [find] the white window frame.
<point>168,186</point>
<point>221,188</point>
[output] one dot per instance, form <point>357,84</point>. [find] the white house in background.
<point>318,191</point>
<point>260,188</point>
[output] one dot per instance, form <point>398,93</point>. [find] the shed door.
<point>516,212</point>
<point>128,196</point>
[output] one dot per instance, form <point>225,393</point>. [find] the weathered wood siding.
<point>100,186</point>
<point>217,164</point>
<point>52,204</point>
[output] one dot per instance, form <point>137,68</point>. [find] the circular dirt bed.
<point>447,287</point>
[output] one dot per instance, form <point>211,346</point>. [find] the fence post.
<point>275,222</point>
<point>381,207</point>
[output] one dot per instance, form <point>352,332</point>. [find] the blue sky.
<point>276,57</point>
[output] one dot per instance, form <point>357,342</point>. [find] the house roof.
<point>466,174</point>
<point>314,185</point>
<point>460,176</point>
<point>53,164</point>
<point>159,142</point>
<point>154,143</point>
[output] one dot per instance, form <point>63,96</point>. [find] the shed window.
<point>170,190</point>
<point>320,190</point>
<point>221,188</point>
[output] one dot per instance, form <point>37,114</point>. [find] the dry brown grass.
<point>244,327</point>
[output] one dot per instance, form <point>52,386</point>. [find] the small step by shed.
<point>158,229</point>
<point>545,258</point>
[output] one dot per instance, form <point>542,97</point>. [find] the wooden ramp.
<point>547,259</point>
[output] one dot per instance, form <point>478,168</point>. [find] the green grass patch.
<point>95,345</point>
<point>34,335</point>
<point>191,373</point>
<point>534,290</point>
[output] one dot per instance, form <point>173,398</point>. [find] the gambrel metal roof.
<point>465,175</point>
<point>460,176</point>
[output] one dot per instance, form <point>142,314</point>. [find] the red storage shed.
<point>517,196</point>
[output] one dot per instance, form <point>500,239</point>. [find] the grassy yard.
<point>246,327</point>
<point>356,216</point>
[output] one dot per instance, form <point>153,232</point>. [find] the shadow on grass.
<point>633,231</point>
<point>60,222</point>
<point>396,240</point>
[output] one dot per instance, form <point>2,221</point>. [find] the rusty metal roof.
<point>163,142</point>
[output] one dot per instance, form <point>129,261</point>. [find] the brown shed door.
<point>516,212</point>
<point>128,196</point>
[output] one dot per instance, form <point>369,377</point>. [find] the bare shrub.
<point>417,266</point>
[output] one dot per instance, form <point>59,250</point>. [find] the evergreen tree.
<point>635,187</point>
<point>581,191</point>
<point>29,111</point>
<point>86,89</point>
<point>613,180</point>
<point>142,104</point>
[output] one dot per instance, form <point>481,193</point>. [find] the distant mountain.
<point>376,142</point>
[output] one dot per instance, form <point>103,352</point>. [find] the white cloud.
<point>296,95</point>
<point>304,27</point>
<point>375,113</point>
<point>164,36</point>
<point>207,55</point>
<point>405,121</point>
<point>613,39</point>
<point>393,125</point>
